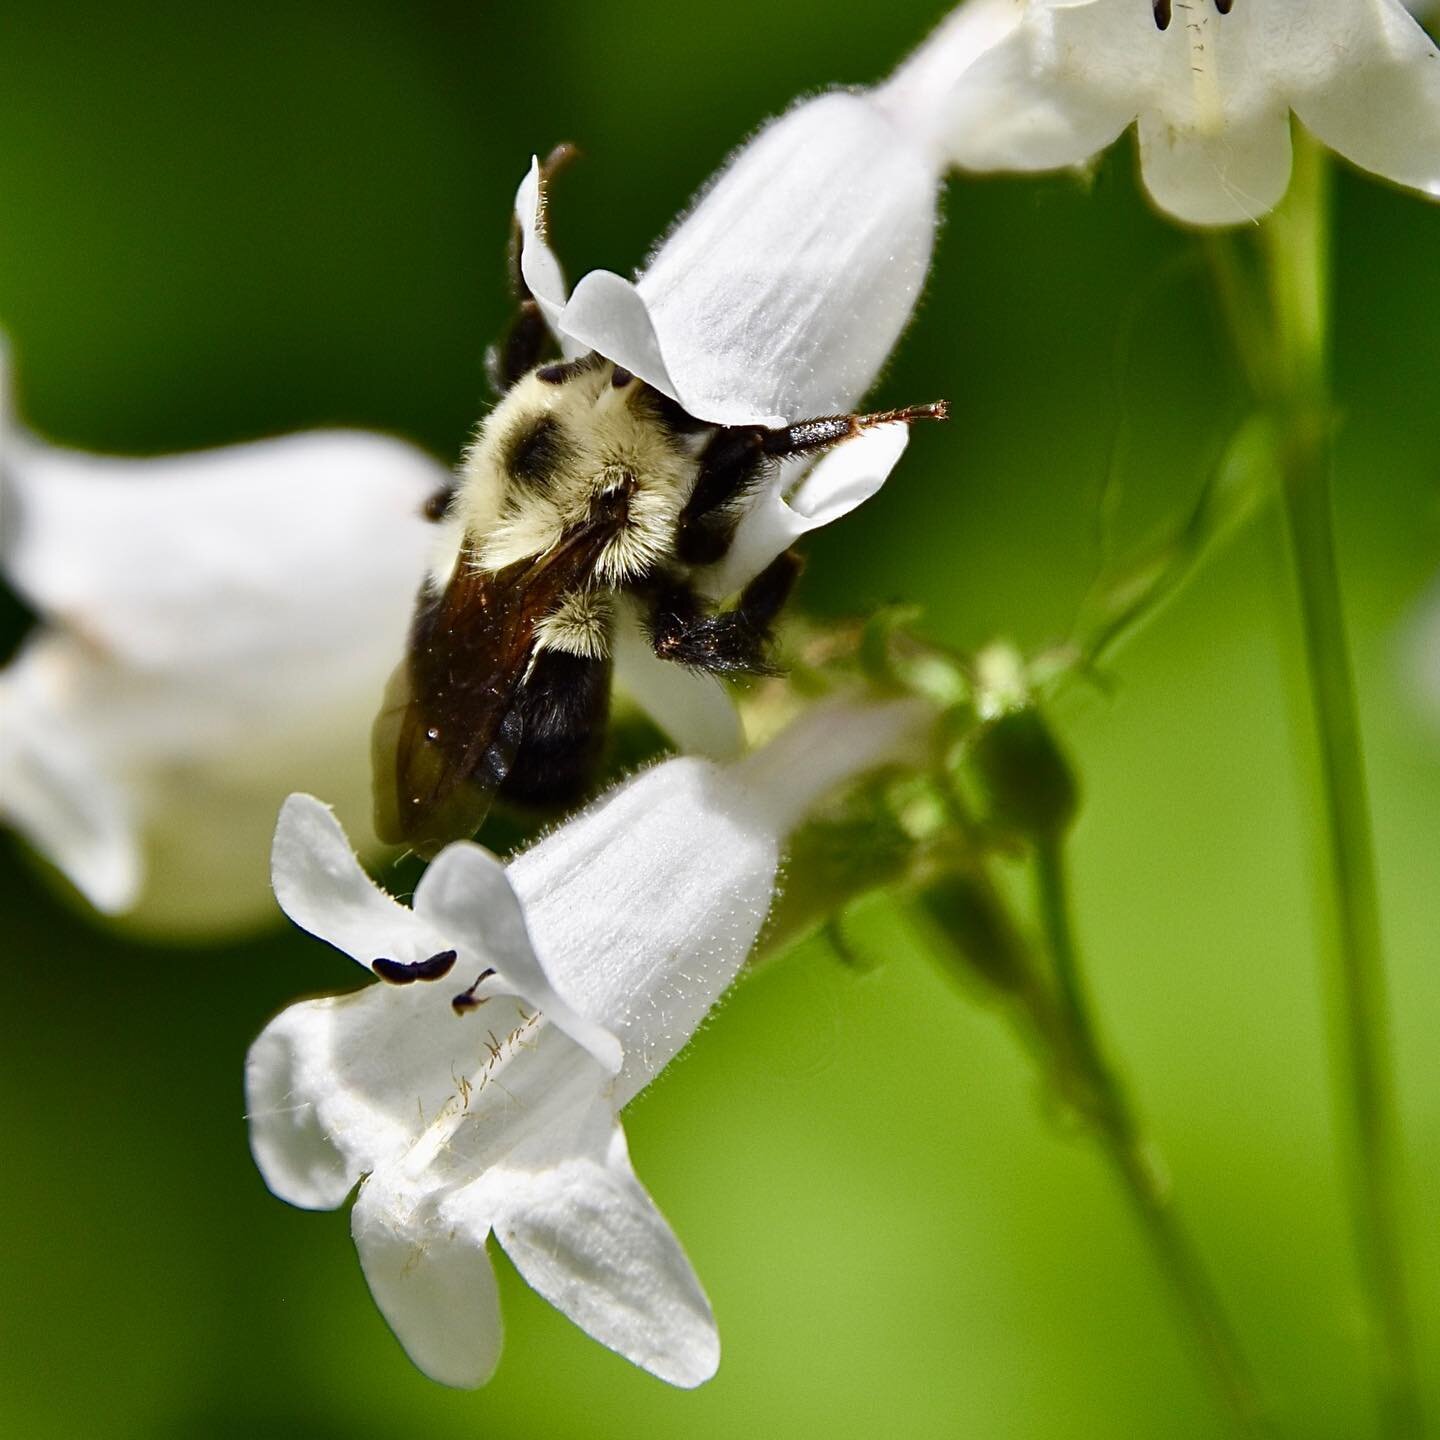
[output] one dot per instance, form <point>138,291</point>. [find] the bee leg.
<point>730,464</point>
<point>684,628</point>
<point>527,341</point>
<point>808,436</point>
<point>734,461</point>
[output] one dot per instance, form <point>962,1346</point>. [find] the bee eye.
<point>534,451</point>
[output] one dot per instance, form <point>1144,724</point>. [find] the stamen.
<point>1223,6</point>
<point>1162,14</point>
<point>468,1000</point>
<point>621,378</point>
<point>396,972</point>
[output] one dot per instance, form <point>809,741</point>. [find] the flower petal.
<point>432,1281</point>
<point>586,1236</point>
<point>347,1084</point>
<point>782,293</point>
<point>644,907</point>
<point>918,93</point>
<point>606,314</point>
<point>692,708</point>
<point>244,556</point>
<point>1228,176</point>
<point>323,888</point>
<point>1380,108</point>
<point>76,817</point>
<point>465,896</point>
<point>846,477</point>
<point>286,1073</point>
<point>539,266</point>
<point>1052,89</point>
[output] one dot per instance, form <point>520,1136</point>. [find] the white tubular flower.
<point>479,1091</point>
<point>216,632</point>
<point>778,298</point>
<point>1210,84</point>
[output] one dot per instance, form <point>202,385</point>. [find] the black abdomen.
<point>563,707</point>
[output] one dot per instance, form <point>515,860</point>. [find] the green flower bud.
<point>1027,783</point>
<point>965,907</point>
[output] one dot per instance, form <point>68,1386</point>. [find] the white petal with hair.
<point>779,297</point>
<point>597,953</point>
<point>1039,84</point>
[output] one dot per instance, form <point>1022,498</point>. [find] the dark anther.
<point>436,506</point>
<point>468,1000</point>
<point>394,972</point>
<point>621,378</point>
<point>1162,14</point>
<point>1223,6</point>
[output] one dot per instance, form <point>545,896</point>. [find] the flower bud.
<point>1026,780</point>
<point>968,911</point>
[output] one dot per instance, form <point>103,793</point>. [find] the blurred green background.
<point>219,222</point>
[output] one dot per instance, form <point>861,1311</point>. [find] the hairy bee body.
<point>571,495</point>
<point>585,489</point>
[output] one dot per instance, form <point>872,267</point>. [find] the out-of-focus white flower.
<point>217,628</point>
<point>485,1098</point>
<point>1210,83</point>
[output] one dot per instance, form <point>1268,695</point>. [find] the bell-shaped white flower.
<point>779,297</point>
<point>216,631</point>
<point>1210,85</point>
<point>480,1094</point>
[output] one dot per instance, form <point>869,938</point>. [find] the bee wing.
<point>449,726</point>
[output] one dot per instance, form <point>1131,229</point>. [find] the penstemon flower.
<point>478,1091</point>
<point>1210,85</point>
<point>216,629</point>
<point>783,292</point>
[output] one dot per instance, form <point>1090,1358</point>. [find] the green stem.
<point>1299,288</point>
<point>1147,1193</point>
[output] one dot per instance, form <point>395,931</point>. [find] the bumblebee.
<point>586,490</point>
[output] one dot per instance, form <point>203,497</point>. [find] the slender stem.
<point>1146,1191</point>
<point>1242,304</point>
<point>1299,288</point>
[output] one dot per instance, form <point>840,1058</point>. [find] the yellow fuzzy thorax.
<point>599,436</point>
